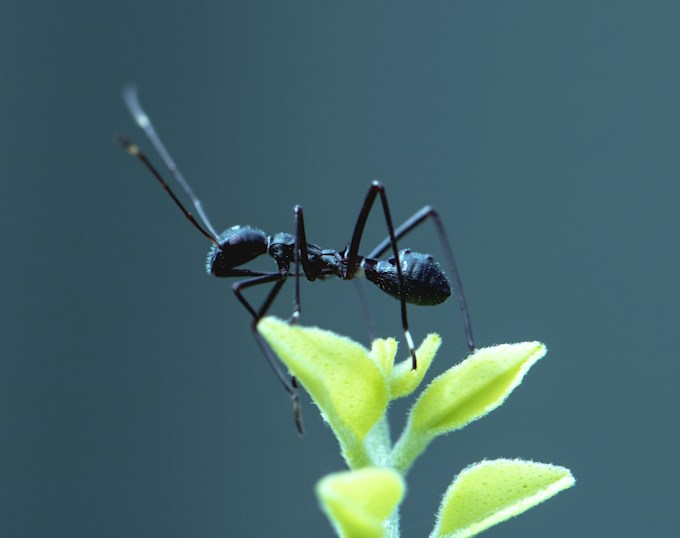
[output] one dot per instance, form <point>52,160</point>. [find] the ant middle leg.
<point>410,224</point>
<point>352,254</point>
<point>301,258</point>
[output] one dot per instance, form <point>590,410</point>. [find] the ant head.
<point>238,245</point>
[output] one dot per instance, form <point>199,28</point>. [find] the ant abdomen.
<point>238,245</point>
<point>424,281</point>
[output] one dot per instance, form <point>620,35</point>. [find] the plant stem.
<point>392,525</point>
<point>409,446</point>
<point>379,445</point>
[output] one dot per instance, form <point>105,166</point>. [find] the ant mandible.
<point>411,277</point>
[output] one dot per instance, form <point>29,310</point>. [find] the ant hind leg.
<point>377,189</point>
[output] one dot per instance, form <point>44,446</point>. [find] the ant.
<point>410,277</point>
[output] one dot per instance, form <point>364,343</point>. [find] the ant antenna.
<point>133,150</point>
<point>135,108</point>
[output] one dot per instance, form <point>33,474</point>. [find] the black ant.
<point>410,277</point>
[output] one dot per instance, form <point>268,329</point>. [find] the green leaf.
<point>490,492</point>
<point>358,503</point>
<point>464,393</point>
<point>403,379</point>
<point>383,351</point>
<point>342,378</point>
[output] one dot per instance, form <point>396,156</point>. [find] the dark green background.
<point>133,400</point>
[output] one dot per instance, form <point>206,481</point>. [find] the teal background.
<point>133,399</point>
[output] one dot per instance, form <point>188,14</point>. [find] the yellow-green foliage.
<point>489,492</point>
<point>358,503</point>
<point>352,386</point>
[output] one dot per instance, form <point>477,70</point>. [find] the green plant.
<point>353,386</point>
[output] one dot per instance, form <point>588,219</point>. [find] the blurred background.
<point>133,399</point>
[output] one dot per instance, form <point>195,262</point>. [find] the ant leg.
<point>370,324</point>
<point>352,251</point>
<point>301,257</point>
<point>263,279</point>
<point>417,219</point>
<point>290,385</point>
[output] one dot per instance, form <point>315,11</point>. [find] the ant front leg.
<point>279,278</point>
<point>418,218</point>
<point>289,384</point>
<point>376,189</point>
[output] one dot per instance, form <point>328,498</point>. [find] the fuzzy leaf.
<point>465,393</point>
<point>359,502</point>
<point>383,351</point>
<point>404,379</point>
<point>473,388</point>
<point>490,492</point>
<point>346,384</point>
